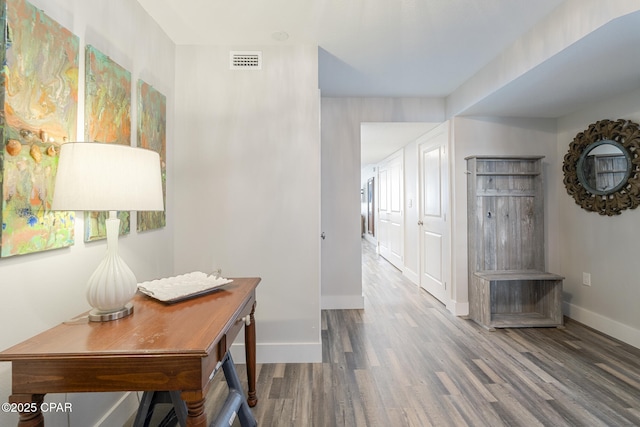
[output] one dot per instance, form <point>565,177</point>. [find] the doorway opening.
<point>389,165</point>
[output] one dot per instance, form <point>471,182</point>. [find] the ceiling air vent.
<point>246,60</point>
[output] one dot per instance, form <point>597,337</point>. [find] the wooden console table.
<point>158,347</point>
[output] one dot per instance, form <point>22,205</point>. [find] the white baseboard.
<point>613,328</point>
<point>342,302</point>
<point>458,308</point>
<point>411,275</point>
<point>281,353</point>
<point>120,412</point>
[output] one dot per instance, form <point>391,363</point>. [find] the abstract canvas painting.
<point>39,113</point>
<point>107,115</point>
<point>152,126</point>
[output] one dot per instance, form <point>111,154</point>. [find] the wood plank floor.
<point>406,361</point>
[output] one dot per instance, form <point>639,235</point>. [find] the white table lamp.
<point>108,177</point>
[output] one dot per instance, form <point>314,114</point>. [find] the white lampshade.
<point>108,177</point>
<point>95,176</point>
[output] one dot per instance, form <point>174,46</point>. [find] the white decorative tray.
<point>184,286</point>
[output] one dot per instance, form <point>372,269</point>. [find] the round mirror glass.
<point>604,167</point>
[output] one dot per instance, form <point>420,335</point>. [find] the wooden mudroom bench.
<point>508,284</point>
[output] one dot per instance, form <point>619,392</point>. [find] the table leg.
<point>31,418</point>
<point>196,416</point>
<point>250,353</point>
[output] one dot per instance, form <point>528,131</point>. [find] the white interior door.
<point>435,255</point>
<point>390,213</point>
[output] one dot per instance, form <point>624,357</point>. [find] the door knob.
<point>323,235</point>
<point>420,223</point>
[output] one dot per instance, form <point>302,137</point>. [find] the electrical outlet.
<point>586,279</point>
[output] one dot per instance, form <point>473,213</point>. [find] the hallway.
<point>406,361</point>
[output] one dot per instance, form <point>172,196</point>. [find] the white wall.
<point>606,247</point>
<point>248,170</point>
<point>341,251</point>
<point>480,136</point>
<point>38,291</point>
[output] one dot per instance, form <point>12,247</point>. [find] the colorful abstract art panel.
<point>152,130</point>
<point>39,113</point>
<point>107,114</point>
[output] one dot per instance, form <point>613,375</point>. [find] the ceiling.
<point>367,47</point>
<point>418,48</point>
<point>601,65</point>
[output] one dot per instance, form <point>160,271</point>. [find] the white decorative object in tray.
<point>178,288</point>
